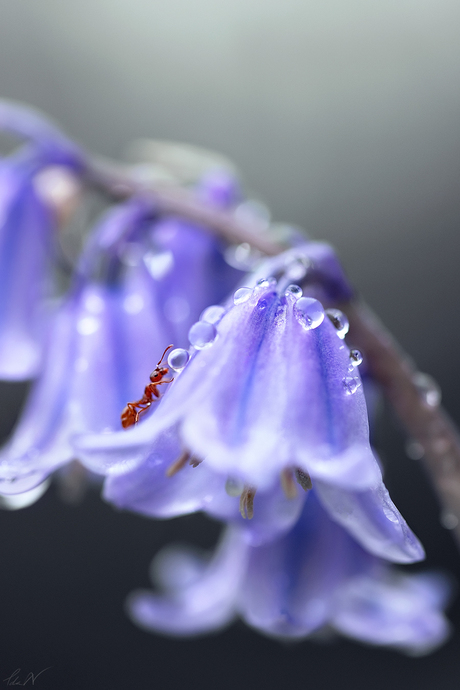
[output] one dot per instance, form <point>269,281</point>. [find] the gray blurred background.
<point>343,116</point>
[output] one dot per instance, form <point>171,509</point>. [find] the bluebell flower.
<point>271,397</point>
<point>312,579</point>
<point>27,239</point>
<point>106,336</point>
<point>26,246</point>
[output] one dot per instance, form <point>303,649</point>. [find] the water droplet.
<point>202,334</point>
<point>133,303</point>
<point>176,309</point>
<point>88,325</point>
<point>213,314</point>
<point>390,513</point>
<point>428,389</point>
<point>234,487</point>
<point>266,283</point>
<point>356,358</point>
<point>178,359</point>
<point>297,269</point>
<point>242,256</point>
<point>242,295</point>
<point>339,321</point>
<point>414,450</point>
<point>159,264</point>
<point>448,520</point>
<point>351,384</point>
<point>310,312</point>
<point>294,290</point>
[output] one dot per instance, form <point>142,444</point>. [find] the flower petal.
<point>205,605</point>
<point>373,520</point>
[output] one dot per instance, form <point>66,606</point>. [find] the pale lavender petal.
<point>26,228</point>
<point>205,605</point>
<point>400,611</point>
<point>290,583</point>
<point>269,394</point>
<point>373,520</point>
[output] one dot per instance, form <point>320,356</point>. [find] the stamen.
<point>303,479</point>
<point>247,503</point>
<point>288,484</point>
<point>194,461</point>
<point>178,464</point>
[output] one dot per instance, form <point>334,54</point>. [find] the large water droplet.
<point>428,389</point>
<point>234,487</point>
<point>213,314</point>
<point>178,359</point>
<point>351,384</point>
<point>310,312</point>
<point>202,334</point>
<point>294,290</point>
<point>242,295</point>
<point>339,321</point>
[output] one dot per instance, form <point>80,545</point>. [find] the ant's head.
<point>158,373</point>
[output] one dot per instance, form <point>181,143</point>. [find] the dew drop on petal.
<point>88,325</point>
<point>428,389</point>
<point>356,358</point>
<point>390,514</point>
<point>213,314</point>
<point>339,321</point>
<point>297,269</point>
<point>294,290</point>
<point>310,312</point>
<point>242,295</point>
<point>178,359</point>
<point>234,487</point>
<point>202,335</point>
<point>266,283</point>
<point>351,384</point>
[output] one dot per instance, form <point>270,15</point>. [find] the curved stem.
<point>416,406</point>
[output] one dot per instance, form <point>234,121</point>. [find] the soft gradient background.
<point>344,117</point>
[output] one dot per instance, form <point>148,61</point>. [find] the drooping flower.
<point>272,394</point>
<point>313,578</point>
<point>27,239</point>
<point>107,336</point>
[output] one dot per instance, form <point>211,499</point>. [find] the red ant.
<point>133,410</point>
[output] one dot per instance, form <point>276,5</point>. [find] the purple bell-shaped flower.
<point>314,578</point>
